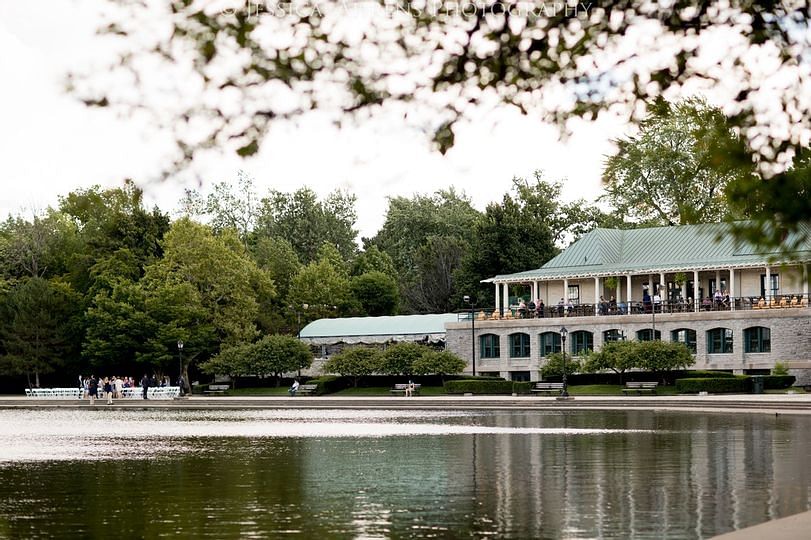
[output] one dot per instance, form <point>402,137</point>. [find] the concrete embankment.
<point>766,403</point>
<point>796,527</point>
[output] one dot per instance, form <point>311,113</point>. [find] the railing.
<point>744,303</point>
<point>155,392</point>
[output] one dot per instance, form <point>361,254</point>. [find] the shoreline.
<point>760,403</point>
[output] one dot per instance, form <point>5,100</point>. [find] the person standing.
<point>145,385</point>
<point>92,389</point>
<point>108,390</point>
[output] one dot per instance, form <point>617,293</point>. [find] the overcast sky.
<point>51,144</point>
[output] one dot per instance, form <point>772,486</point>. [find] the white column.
<point>596,293</point>
<point>505,300</point>
<point>696,299</point>
<point>731,289</point>
<point>498,298</point>
<point>534,291</point>
<point>767,287</point>
<point>651,288</point>
<point>717,279</point>
<point>684,289</point>
<point>628,293</point>
<point>805,281</point>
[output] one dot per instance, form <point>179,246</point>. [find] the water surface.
<point>397,474</point>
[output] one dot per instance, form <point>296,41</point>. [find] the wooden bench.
<point>307,389</point>
<point>548,387</point>
<point>401,389</point>
<point>217,388</point>
<point>640,387</point>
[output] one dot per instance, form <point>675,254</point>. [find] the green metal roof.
<point>386,327</point>
<point>666,249</point>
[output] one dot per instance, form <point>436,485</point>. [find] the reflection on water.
<point>383,474</point>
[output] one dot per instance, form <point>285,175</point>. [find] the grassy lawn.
<point>259,391</point>
<point>384,391</point>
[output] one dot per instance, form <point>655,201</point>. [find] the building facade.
<point>737,308</point>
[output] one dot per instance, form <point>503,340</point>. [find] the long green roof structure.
<point>608,252</point>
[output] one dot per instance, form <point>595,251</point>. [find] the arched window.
<point>519,345</point>
<point>612,335</point>
<point>646,334</point>
<point>757,339</point>
<point>686,336</point>
<point>582,342</point>
<point>489,346</point>
<point>719,340</point>
<point>549,343</point>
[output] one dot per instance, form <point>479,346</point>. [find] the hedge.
<point>483,386</point>
<point>739,384</point>
<point>329,384</point>
<point>704,374</point>
<point>778,382</point>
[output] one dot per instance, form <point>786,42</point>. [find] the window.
<point>612,335</point>
<point>713,287</point>
<point>489,346</point>
<point>582,342</point>
<point>573,294</point>
<point>719,340</point>
<point>757,339</point>
<point>519,345</point>
<point>686,336</point>
<point>775,285</point>
<point>646,334</point>
<point>549,343</point>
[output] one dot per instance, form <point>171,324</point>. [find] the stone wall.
<point>790,338</point>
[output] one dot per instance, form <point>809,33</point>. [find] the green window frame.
<point>489,346</point>
<point>686,336</point>
<point>646,334</point>
<point>549,343</point>
<point>581,342</point>
<point>719,341</point>
<point>612,335</point>
<point>757,339</point>
<point>519,345</point>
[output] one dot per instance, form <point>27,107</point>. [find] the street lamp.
<point>563,333</point>
<point>298,318</point>
<point>180,364</point>
<point>467,300</point>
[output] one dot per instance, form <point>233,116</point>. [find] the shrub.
<point>554,366</point>
<point>485,386</point>
<point>780,368</point>
<point>737,384</point>
<point>704,374</point>
<point>355,362</point>
<point>440,363</point>
<point>328,384</point>
<point>778,382</point>
<point>398,359</point>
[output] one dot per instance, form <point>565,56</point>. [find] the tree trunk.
<point>36,377</point>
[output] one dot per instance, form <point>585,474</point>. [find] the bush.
<point>329,384</point>
<point>738,384</point>
<point>485,386</point>
<point>704,374</point>
<point>778,382</point>
<point>780,368</point>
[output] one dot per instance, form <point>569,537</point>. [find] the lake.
<point>397,473</point>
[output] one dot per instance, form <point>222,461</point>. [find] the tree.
<point>307,223</point>
<point>322,283</point>
<point>228,206</point>
<point>355,362</point>
<point>40,247</point>
<point>277,355</point>
<point>440,363</point>
<point>433,288</point>
<point>278,258</point>
<point>399,358</point>
<point>618,356</point>
<point>231,361</point>
<point>676,171</point>
<point>376,292</point>
<point>596,55</point>
<point>554,366</point>
<point>662,356</point>
<point>37,327</point>
<point>373,260</point>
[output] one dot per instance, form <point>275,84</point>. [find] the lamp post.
<point>298,318</point>
<point>563,333</point>
<point>468,300</point>
<point>180,364</point>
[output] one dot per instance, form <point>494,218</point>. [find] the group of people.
<point>112,387</point>
<point>533,309</point>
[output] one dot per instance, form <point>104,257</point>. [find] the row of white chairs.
<point>155,392</point>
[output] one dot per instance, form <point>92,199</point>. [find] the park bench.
<point>401,389</point>
<point>640,387</point>
<point>307,389</point>
<point>217,388</point>
<point>548,387</point>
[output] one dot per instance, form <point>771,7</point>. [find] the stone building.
<point>736,307</point>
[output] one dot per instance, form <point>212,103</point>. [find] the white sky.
<point>51,144</point>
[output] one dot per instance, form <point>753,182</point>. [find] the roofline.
<point>654,270</point>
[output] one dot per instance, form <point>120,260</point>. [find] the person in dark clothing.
<point>92,389</point>
<point>145,385</point>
